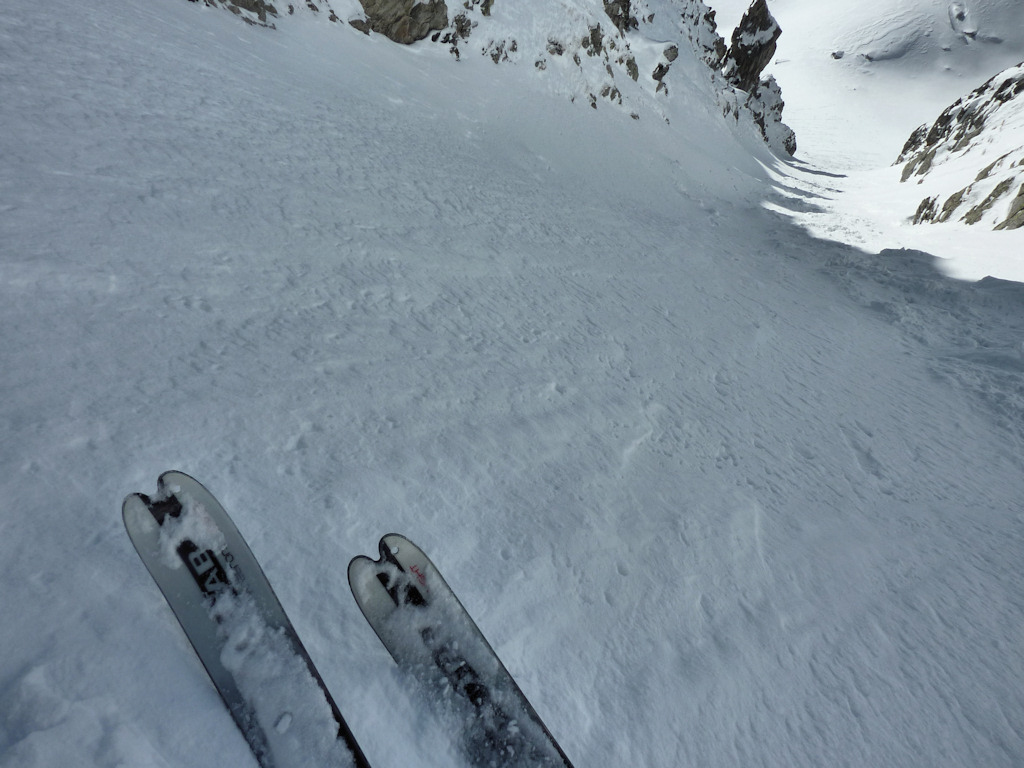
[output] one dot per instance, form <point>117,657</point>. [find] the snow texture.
<point>719,491</point>
<point>290,708</point>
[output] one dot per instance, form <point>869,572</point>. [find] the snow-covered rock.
<point>751,50</point>
<point>617,52</point>
<point>250,11</point>
<point>752,47</point>
<point>621,14</point>
<point>974,155</point>
<point>961,20</point>
<point>702,30</point>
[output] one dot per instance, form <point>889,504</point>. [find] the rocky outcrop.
<point>752,47</point>
<point>251,11</point>
<point>964,120</point>
<point>962,21</point>
<point>404,21</point>
<point>978,139</point>
<point>765,104</point>
<point>620,13</point>
<point>605,52</point>
<point>702,30</point>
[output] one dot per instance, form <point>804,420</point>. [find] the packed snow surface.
<point>719,492</point>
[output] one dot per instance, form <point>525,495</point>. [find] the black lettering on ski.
<point>499,732</point>
<point>205,568</point>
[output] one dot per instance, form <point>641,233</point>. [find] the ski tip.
<point>130,507</point>
<point>155,507</point>
<point>133,498</point>
<point>391,544</point>
<point>168,480</point>
<point>163,483</point>
<point>388,546</point>
<point>357,566</point>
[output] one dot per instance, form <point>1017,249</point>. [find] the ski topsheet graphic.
<point>425,628</point>
<point>239,630</point>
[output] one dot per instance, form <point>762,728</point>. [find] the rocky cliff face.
<point>250,11</point>
<point>605,49</point>
<point>404,21</point>
<point>979,139</point>
<point>751,50</point>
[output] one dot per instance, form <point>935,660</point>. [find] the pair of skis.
<point>227,608</point>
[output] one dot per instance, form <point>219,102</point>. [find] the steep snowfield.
<point>718,492</point>
<point>902,64</point>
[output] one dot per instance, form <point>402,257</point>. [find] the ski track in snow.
<point>718,492</point>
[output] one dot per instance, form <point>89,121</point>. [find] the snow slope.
<point>718,492</point>
<point>983,143</point>
<point>902,64</point>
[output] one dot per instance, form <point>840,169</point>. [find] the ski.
<point>227,608</point>
<point>426,630</point>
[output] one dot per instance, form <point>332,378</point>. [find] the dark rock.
<point>1015,219</point>
<point>954,137</point>
<point>702,30</point>
<point>258,8</point>
<point>632,69</point>
<point>974,215</point>
<point>753,46</point>
<point>984,172</point>
<point>952,203</point>
<point>765,104</point>
<point>593,43</point>
<point>914,143</point>
<point>460,29</point>
<point>484,5</point>
<point>619,12</point>
<point>965,118</point>
<point>499,51</point>
<point>405,21</point>
<point>661,69</point>
<point>926,210</point>
<point>611,93</point>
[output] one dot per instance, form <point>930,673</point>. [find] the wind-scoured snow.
<point>717,491</point>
